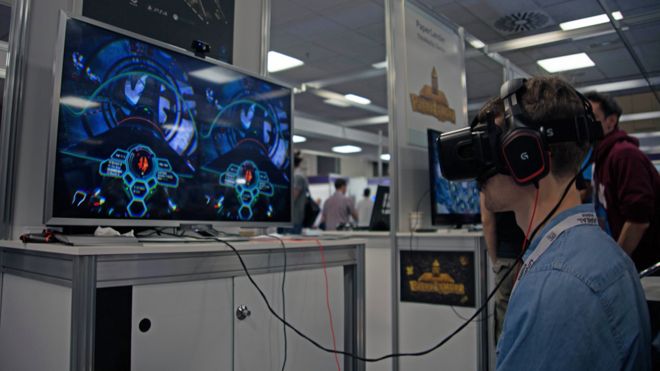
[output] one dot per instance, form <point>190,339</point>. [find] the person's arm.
<point>488,222</point>
<point>631,234</point>
<point>635,195</point>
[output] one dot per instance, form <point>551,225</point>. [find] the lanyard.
<point>588,218</point>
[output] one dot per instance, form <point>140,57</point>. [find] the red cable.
<point>526,243</point>
<point>327,302</point>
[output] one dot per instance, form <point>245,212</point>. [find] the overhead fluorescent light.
<point>346,149</point>
<point>380,65</point>
<point>299,139</point>
<point>336,102</point>
<point>476,43</point>
<point>217,75</point>
<point>385,157</point>
<point>357,99</point>
<point>589,21</point>
<point>567,62</point>
<point>78,102</point>
<point>280,62</point>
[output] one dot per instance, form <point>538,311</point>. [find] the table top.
<point>254,243</point>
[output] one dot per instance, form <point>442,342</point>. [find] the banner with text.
<point>435,76</point>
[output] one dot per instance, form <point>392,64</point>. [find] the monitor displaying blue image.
<point>149,135</point>
<point>452,203</point>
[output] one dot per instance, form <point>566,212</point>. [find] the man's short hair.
<point>552,98</point>
<point>366,192</point>
<point>340,183</point>
<point>607,104</point>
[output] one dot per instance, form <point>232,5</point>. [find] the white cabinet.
<point>193,325</point>
<point>259,341</point>
<point>182,326</point>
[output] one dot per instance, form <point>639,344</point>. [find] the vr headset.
<point>519,148</point>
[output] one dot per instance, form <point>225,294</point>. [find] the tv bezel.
<point>50,220</point>
<point>450,218</point>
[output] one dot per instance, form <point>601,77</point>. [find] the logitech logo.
<point>524,156</point>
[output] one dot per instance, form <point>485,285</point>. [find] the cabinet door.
<point>259,341</point>
<point>190,326</point>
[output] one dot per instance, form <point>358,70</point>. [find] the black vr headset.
<point>521,150</point>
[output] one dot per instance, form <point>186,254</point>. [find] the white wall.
<point>355,166</point>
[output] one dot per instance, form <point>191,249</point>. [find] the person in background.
<point>577,302</point>
<point>338,208</point>
<point>626,187</point>
<point>300,191</point>
<point>364,208</point>
<point>583,181</point>
<point>504,239</point>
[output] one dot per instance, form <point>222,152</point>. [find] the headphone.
<point>523,147</point>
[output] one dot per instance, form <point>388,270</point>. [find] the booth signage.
<point>438,277</point>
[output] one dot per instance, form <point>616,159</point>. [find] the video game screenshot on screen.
<point>148,133</point>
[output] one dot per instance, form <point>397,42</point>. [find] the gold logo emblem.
<point>433,101</point>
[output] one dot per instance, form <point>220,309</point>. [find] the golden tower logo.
<point>433,101</point>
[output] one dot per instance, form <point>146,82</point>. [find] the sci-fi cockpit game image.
<point>148,135</point>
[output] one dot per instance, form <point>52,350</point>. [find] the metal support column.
<point>83,313</point>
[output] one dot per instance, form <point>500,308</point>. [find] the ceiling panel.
<point>356,14</point>
<point>572,10</point>
<point>317,5</point>
<point>375,32</point>
<point>633,6</point>
<point>287,11</point>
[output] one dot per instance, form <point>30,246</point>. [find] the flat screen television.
<point>145,134</point>
<point>452,203</point>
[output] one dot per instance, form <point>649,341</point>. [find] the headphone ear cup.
<point>525,155</point>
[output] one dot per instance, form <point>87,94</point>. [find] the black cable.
<point>443,341</point>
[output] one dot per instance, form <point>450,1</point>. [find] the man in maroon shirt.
<point>626,187</point>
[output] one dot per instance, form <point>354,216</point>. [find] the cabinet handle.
<point>242,312</point>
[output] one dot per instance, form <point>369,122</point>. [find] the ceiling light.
<point>589,21</point>
<point>385,157</point>
<point>336,102</point>
<point>346,149</point>
<point>357,99</point>
<point>78,102</point>
<point>567,62</point>
<point>280,62</point>
<point>380,65</point>
<point>299,139</point>
<point>476,43</point>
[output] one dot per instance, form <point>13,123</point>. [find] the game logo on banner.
<point>438,277</point>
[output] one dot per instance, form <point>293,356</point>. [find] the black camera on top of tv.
<point>200,48</point>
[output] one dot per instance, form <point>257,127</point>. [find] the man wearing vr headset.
<point>577,303</point>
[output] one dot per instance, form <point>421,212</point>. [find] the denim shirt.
<point>579,307</point>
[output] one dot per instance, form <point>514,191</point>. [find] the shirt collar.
<point>554,221</point>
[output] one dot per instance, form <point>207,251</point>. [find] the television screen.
<point>146,135</point>
<point>454,203</point>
